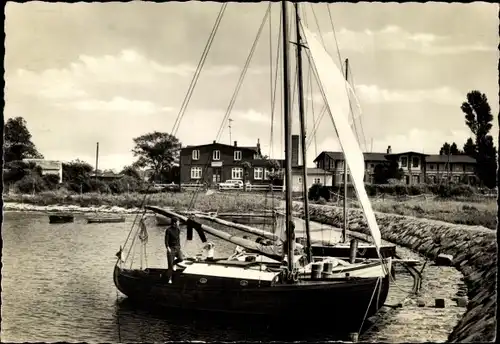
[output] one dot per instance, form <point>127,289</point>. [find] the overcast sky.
<point>108,72</point>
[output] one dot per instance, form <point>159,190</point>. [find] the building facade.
<point>216,162</point>
<point>53,167</point>
<point>314,176</point>
<point>417,167</point>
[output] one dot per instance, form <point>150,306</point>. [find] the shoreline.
<point>25,207</point>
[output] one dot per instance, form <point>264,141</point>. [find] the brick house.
<point>216,162</point>
<point>417,167</point>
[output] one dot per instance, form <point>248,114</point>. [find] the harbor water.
<point>57,286</point>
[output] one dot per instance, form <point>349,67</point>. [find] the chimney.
<point>236,143</point>
<point>258,147</point>
<point>389,150</point>
<point>295,150</point>
<point>215,142</point>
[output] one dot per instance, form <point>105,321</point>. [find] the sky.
<point>108,72</point>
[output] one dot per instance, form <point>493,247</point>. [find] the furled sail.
<point>332,83</point>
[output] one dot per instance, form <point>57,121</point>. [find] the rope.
<point>197,73</point>
<point>232,101</point>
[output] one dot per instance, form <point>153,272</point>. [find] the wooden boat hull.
<point>343,251</point>
<point>61,218</point>
<point>106,219</point>
<point>344,300</point>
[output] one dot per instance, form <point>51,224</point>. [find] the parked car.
<point>232,184</point>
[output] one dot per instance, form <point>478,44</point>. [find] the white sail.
<point>332,82</point>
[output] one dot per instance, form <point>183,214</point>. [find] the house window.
<point>266,173</point>
<point>317,180</point>
<point>237,173</point>
<point>404,161</point>
<point>416,179</point>
<point>300,180</point>
<point>195,172</point>
<point>258,173</point>
<point>237,155</point>
<point>431,166</point>
<point>216,155</point>
<point>415,161</point>
<point>457,179</point>
<point>196,154</point>
<point>256,156</point>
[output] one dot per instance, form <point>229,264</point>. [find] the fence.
<point>249,188</point>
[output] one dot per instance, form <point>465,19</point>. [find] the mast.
<point>96,159</point>
<point>344,230</point>
<point>288,140</point>
<point>302,132</point>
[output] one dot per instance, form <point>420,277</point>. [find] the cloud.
<point>252,116</point>
<point>394,38</point>
<point>441,95</point>
<point>119,104</point>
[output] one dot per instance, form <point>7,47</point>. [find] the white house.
<point>314,176</point>
<point>48,167</point>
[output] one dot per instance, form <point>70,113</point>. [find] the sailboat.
<point>286,285</point>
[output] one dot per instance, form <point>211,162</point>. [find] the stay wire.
<point>232,101</point>
<point>199,68</point>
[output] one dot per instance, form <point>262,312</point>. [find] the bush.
<point>317,191</point>
<point>51,181</point>
<point>30,183</point>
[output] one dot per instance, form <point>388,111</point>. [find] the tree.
<point>77,175</point>
<point>478,118</point>
<point>275,174</point>
<point>17,141</point>
<point>448,149</point>
<point>156,150</point>
<point>247,166</point>
<point>131,171</point>
<point>470,147</point>
<point>385,171</point>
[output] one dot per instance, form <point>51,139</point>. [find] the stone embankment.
<point>474,251</point>
<point>11,206</point>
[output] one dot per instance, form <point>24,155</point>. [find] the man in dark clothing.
<point>173,245</point>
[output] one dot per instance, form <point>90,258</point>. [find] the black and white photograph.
<point>259,171</point>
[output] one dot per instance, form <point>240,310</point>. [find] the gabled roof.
<point>464,159</point>
<point>254,149</point>
<point>368,156</point>
<point>46,164</point>
<point>404,153</point>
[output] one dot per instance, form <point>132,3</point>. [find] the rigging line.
<point>312,110</point>
<point>334,34</point>
<point>197,73</point>
<point>233,99</point>
<point>271,80</point>
<point>317,25</point>
<point>273,99</point>
<point>360,119</point>
<point>244,71</point>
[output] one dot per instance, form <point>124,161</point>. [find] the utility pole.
<point>96,159</point>
<point>230,139</point>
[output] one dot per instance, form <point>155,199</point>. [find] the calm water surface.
<point>57,285</point>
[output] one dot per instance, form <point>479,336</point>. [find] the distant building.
<point>417,167</point>
<point>314,176</point>
<point>53,167</point>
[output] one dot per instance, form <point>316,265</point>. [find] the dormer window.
<point>237,155</point>
<point>196,154</point>
<point>216,155</point>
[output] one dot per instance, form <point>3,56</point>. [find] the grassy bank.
<point>473,211</point>
<point>227,202</point>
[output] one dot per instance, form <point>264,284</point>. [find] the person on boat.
<point>173,245</point>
